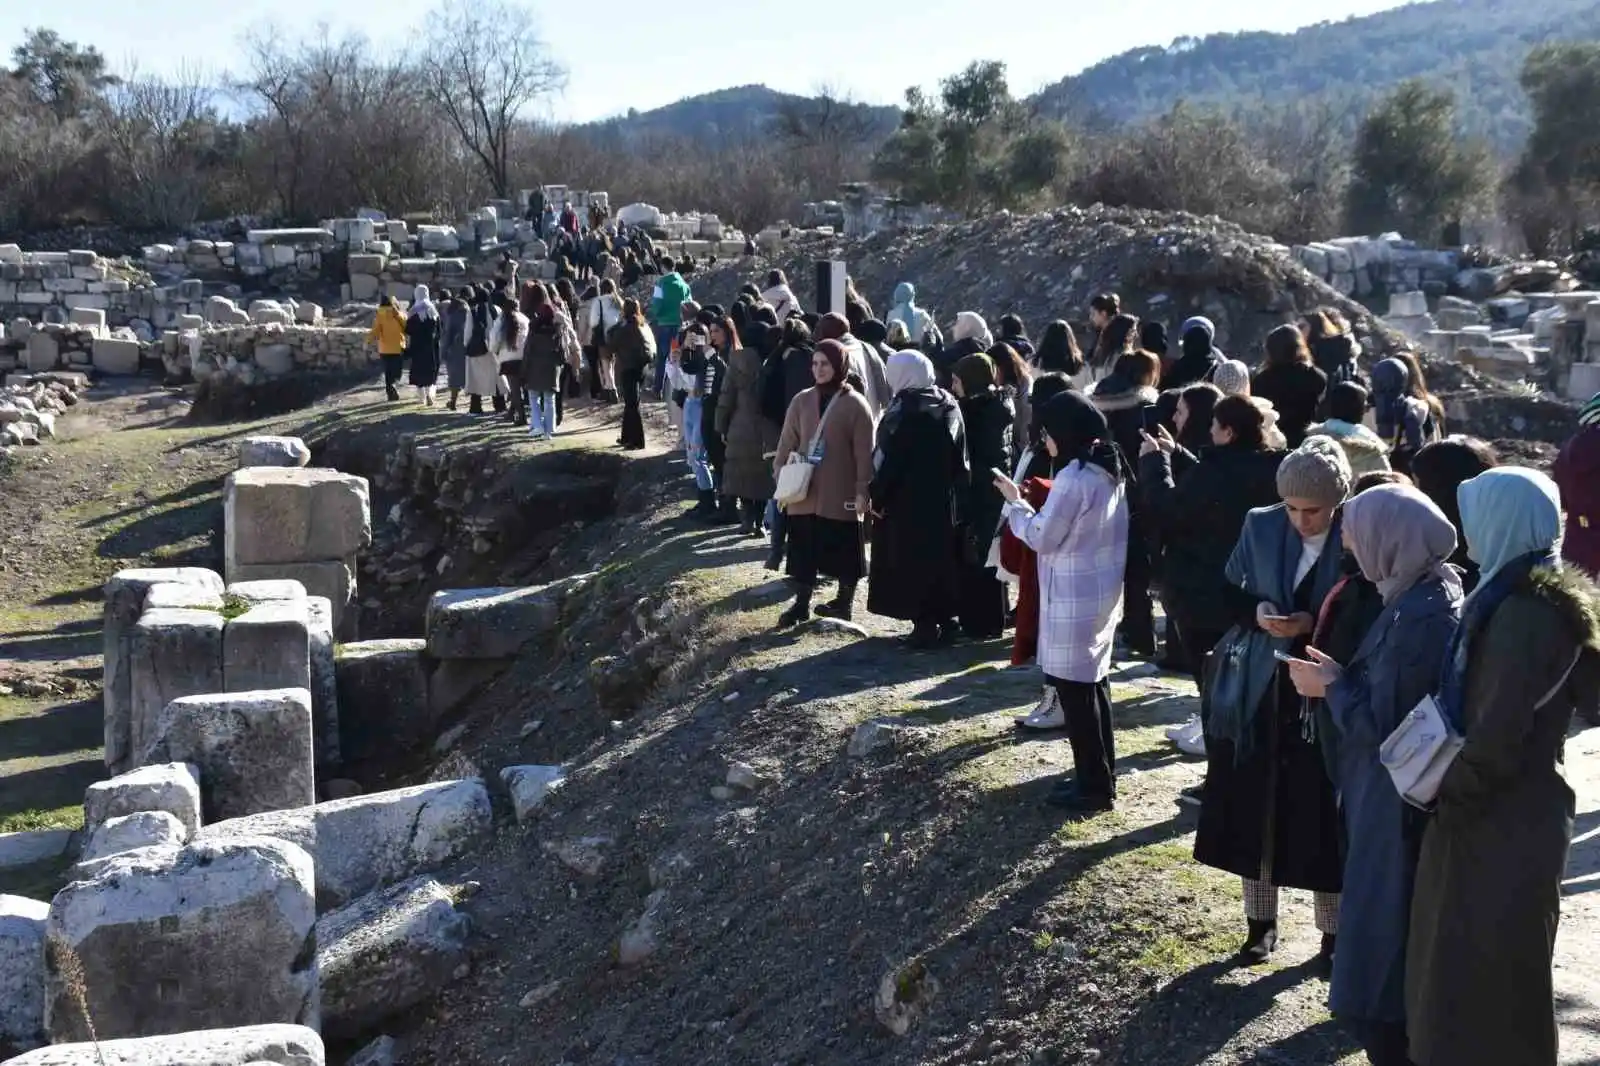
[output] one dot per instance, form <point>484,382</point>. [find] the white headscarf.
<point>909,370</point>
<point>421,305</point>
<point>970,324</point>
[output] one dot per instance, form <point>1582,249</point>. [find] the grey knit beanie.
<point>1317,470</point>
<point>1232,377</point>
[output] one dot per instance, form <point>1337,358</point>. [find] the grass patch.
<point>34,820</point>
<point>233,606</point>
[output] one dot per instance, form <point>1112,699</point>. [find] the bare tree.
<point>483,68</point>
<point>159,134</point>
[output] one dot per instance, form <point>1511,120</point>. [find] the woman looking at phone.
<point>1269,813</point>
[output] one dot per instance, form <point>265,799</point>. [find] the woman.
<point>389,333</point>
<point>1577,471</point>
<point>1191,417</point>
<point>1059,352</point>
<point>453,344</point>
<point>693,360</point>
<point>1290,382</point>
<point>1408,416</point>
<point>1333,348</point>
<point>1119,337</point>
<point>750,435</point>
<point>422,343</point>
<point>1124,397</point>
<point>1198,357</point>
<point>1269,812</point>
<point>1081,538</point>
<point>1014,334</point>
<point>713,382</point>
<point>1197,502</point>
<point>824,529</point>
<point>1015,378</point>
<point>1479,989</point>
<point>989,419</point>
<point>779,295</point>
<point>1103,307</point>
<point>1153,339</point>
<point>631,345</point>
<point>1347,406</point>
<point>921,329</point>
<point>1401,542</point>
<point>920,480</point>
<point>1232,377</point>
<point>510,333</point>
<point>541,362</point>
<point>970,336</point>
<point>605,313</point>
<point>1440,469</point>
<point>482,370</point>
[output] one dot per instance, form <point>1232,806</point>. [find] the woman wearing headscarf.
<point>970,336</point>
<point>422,343</point>
<point>389,333</point>
<point>1440,469</point>
<point>779,295</point>
<point>749,436</point>
<point>919,324</point>
<point>1401,542</point>
<point>1019,564</point>
<point>1124,397</point>
<point>1269,812</point>
<point>1198,356</point>
<point>1577,472</point>
<point>824,529</point>
<point>483,371</point>
<point>989,419</point>
<point>918,489</point>
<point>1408,416</point>
<point>1479,990</point>
<point>453,344</point>
<point>1081,538</point>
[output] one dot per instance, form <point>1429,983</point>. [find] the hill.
<point>734,114</point>
<point>1475,46</point>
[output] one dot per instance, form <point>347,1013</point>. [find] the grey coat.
<point>751,438</point>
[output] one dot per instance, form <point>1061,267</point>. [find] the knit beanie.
<point>1317,470</point>
<point>1201,323</point>
<point>1232,377</point>
<point>1590,414</point>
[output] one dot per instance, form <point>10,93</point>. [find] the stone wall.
<point>84,288</point>
<point>1363,266</point>
<point>279,256</point>
<point>255,353</point>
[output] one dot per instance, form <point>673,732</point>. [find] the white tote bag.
<point>794,477</point>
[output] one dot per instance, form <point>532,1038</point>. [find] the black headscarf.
<point>1081,433</point>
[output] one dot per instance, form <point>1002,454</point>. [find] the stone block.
<point>368,842</point>
<point>74,301</point>
<point>253,749</point>
<point>383,698</point>
<point>22,931</point>
<point>88,317</point>
<point>144,829</point>
<point>324,687</point>
<point>28,846</point>
<point>274,451</point>
<point>386,953</point>
<point>530,786</point>
<point>1408,304</point>
<point>454,681</point>
<point>494,623</point>
<point>364,287</point>
<point>256,1045</point>
<point>43,352</point>
<point>308,313</point>
<point>181,595</point>
<point>10,253</point>
<point>218,933</point>
<point>366,264</point>
<point>268,647</point>
<point>255,593</point>
<point>1584,381</point>
<point>276,515</point>
<point>275,360</point>
<point>175,653</point>
<point>333,580</point>
<point>112,356</point>
<point>173,788</point>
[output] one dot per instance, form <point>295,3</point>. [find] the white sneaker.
<point>1189,737</point>
<point>1046,717</point>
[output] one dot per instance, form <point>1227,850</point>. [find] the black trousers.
<point>591,364</point>
<point>629,382</point>
<point>1197,641</point>
<point>1138,612</point>
<point>394,368</point>
<point>1384,1042</point>
<point>1094,746</point>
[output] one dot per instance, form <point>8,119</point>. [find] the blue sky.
<point>623,55</point>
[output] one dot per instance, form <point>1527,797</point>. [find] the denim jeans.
<point>542,413</point>
<point>665,335</point>
<point>694,444</point>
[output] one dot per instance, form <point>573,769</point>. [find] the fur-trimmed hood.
<point>1575,595</point>
<point>1121,398</point>
<point>1352,436</point>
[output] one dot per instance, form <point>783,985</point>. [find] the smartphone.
<point>1274,618</point>
<point>997,474</point>
<point>1152,419</point>
<point>1285,657</point>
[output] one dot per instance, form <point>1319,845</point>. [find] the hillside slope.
<point>731,114</point>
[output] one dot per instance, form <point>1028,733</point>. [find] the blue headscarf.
<point>1511,517</point>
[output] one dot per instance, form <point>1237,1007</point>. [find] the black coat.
<point>422,346</point>
<point>944,362</point>
<point>1191,370</point>
<point>797,376</point>
<point>1197,508</point>
<point>919,486</point>
<point>1296,392</point>
<point>989,419</point>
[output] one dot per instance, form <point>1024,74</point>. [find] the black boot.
<point>800,610</point>
<point>475,404</point>
<point>1323,963</point>
<point>499,404</point>
<point>391,392</point>
<point>842,606</point>
<point>706,509</point>
<point>729,514</point>
<point>455,394</point>
<point>1261,943</point>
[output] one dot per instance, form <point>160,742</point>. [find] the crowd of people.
<point>1329,563</point>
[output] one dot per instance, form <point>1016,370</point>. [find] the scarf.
<point>1400,537</point>
<point>421,306</point>
<point>1081,434</point>
<point>1479,608</point>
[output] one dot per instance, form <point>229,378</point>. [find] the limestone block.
<point>74,301</point>
<point>186,322</point>
<point>436,239</point>
<point>305,235</point>
<point>173,788</point>
<point>88,317</point>
<point>383,698</point>
<point>43,352</point>
<point>183,596</point>
<point>334,580</point>
<point>366,264</point>
<point>386,953</point>
<point>253,749</point>
<point>364,286</point>
<point>116,356</point>
<point>274,515</point>
<point>324,687</point>
<point>175,653</point>
<point>367,842</point>
<point>274,451</point>
<point>22,929</point>
<point>256,1045</point>
<point>144,829</point>
<point>275,360</point>
<point>82,257</point>
<point>308,313</point>
<point>29,846</point>
<point>66,284</point>
<point>494,623</point>
<point>1344,283</point>
<point>396,231</point>
<point>1584,381</point>
<point>268,647</point>
<point>218,932</point>
<point>255,593</point>
<point>1408,303</point>
<point>10,253</point>
<point>454,681</point>
<point>530,786</point>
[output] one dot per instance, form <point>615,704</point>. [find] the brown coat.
<point>751,437</point>
<point>846,468</point>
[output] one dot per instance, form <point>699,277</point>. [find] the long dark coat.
<point>1479,990</point>
<point>453,342</point>
<point>1396,665</point>
<point>989,420</point>
<point>918,487</point>
<point>751,437</point>
<point>422,347</point>
<point>541,357</point>
<point>1273,805</point>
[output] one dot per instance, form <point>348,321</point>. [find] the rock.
<point>383,698</point>
<point>640,941</point>
<point>381,1052</point>
<point>904,997</point>
<point>839,625</point>
<point>175,653</point>
<point>449,738</point>
<point>29,846</point>
<point>268,647</point>
<point>22,929</point>
<point>495,623</point>
<point>530,786</point>
<point>455,681</point>
<point>585,857</point>
<point>255,1045</point>
<point>386,953</point>
<point>324,685</point>
<point>274,451</point>
<point>178,595</point>
<point>43,352</point>
<point>275,360</point>
<point>743,775</point>
<point>367,842</point>
<point>251,594</point>
<point>722,793</point>
<point>332,580</point>
<point>293,515</point>
<point>234,923</point>
<point>880,733</point>
<point>539,995</point>
<point>113,356</point>
<point>253,749</point>
<point>170,787</point>
<point>142,830</point>
<point>339,788</point>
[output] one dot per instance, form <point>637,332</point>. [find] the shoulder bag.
<point>794,479</point>
<point>1420,750</point>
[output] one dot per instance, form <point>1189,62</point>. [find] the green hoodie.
<point>666,302</point>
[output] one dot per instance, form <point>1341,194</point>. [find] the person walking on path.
<point>632,347</point>
<point>453,344</point>
<point>666,311</point>
<point>482,368</point>
<point>749,437</point>
<point>389,333</point>
<point>423,334</point>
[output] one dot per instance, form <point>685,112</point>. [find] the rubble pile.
<point>31,403</point>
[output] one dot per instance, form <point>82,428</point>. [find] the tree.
<point>1412,169</point>
<point>483,68</point>
<point>59,74</point>
<point>1557,180</point>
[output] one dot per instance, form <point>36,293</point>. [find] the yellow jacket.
<point>389,330</point>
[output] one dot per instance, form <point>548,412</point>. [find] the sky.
<point>624,55</point>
